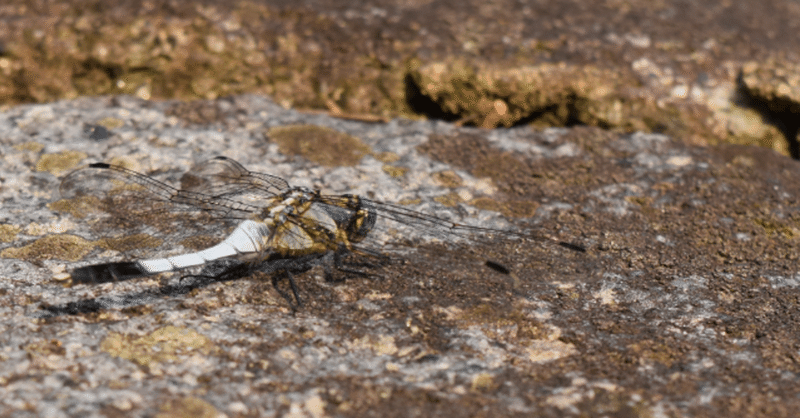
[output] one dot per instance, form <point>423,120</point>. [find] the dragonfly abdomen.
<point>249,238</point>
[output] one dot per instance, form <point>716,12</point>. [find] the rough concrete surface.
<point>684,302</point>
<point>657,277</point>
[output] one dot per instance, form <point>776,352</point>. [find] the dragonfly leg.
<point>357,268</point>
<point>290,277</point>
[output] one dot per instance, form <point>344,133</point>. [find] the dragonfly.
<point>224,212</point>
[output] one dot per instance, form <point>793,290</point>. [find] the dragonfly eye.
<point>361,224</point>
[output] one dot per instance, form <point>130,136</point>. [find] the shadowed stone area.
<point>670,67</point>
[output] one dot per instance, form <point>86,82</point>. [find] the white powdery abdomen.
<point>247,238</point>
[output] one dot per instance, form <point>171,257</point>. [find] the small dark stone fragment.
<point>498,267</point>
<point>97,132</point>
<point>573,247</point>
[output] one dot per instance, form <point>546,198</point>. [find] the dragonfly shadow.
<point>93,305</point>
<point>221,271</point>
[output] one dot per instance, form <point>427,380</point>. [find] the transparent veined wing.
<point>223,178</point>
<point>139,215</point>
<point>391,226</point>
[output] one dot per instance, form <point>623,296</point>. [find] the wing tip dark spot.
<point>106,273</point>
<point>100,165</point>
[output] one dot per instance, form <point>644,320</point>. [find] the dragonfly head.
<point>362,222</point>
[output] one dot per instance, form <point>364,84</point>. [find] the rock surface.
<point>684,302</point>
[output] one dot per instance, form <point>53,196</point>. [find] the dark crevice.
<point>425,106</point>
<point>112,71</point>
<point>781,113</point>
<point>572,118</point>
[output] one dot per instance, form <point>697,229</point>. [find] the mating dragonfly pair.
<point>275,227</point>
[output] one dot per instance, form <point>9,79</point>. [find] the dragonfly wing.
<point>396,225</point>
<point>139,215</point>
<point>222,177</point>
